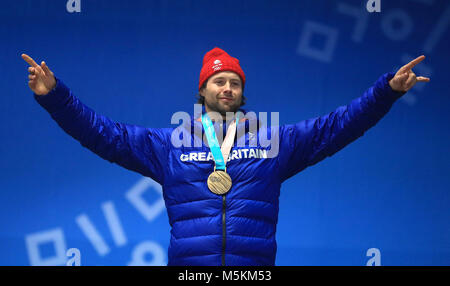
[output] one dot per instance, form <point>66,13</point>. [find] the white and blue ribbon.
<point>213,143</point>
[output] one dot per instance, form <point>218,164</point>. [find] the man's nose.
<point>227,88</point>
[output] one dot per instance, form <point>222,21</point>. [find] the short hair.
<point>201,99</point>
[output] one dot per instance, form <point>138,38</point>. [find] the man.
<point>223,209</point>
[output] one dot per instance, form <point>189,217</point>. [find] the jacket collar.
<point>245,122</point>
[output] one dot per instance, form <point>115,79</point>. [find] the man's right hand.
<point>41,79</point>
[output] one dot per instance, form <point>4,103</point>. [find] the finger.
<point>39,70</point>
<point>29,60</point>
<point>31,70</point>
<point>45,68</point>
<point>412,63</point>
<point>403,77</point>
<point>411,81</point>
<point>400,79</point>
<point>423,79</point>
<point>31,77</point>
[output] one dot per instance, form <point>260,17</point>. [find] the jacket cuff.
<point>56,98</point>
<point>385,90</point>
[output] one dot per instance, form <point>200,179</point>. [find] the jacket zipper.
<point>223,230</point>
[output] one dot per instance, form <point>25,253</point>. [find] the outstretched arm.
<point>133,147</point>
<point>310,141</point>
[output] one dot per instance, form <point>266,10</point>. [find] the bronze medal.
<point>219,182</point>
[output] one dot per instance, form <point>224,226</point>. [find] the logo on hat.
<point>217,65</point>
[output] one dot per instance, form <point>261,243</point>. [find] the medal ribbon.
<point>219,153</point>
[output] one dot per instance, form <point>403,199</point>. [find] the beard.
<point>222,107</point>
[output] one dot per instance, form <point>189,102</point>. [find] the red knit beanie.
<point>217,60</point>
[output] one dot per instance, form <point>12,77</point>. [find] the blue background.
<point>139,61</point>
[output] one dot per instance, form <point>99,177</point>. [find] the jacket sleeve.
<point>310,141</point>
<point>136,148</point>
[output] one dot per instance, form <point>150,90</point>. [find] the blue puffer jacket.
<point>208,229</point>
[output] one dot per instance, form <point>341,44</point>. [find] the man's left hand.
<point>405,78</point>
